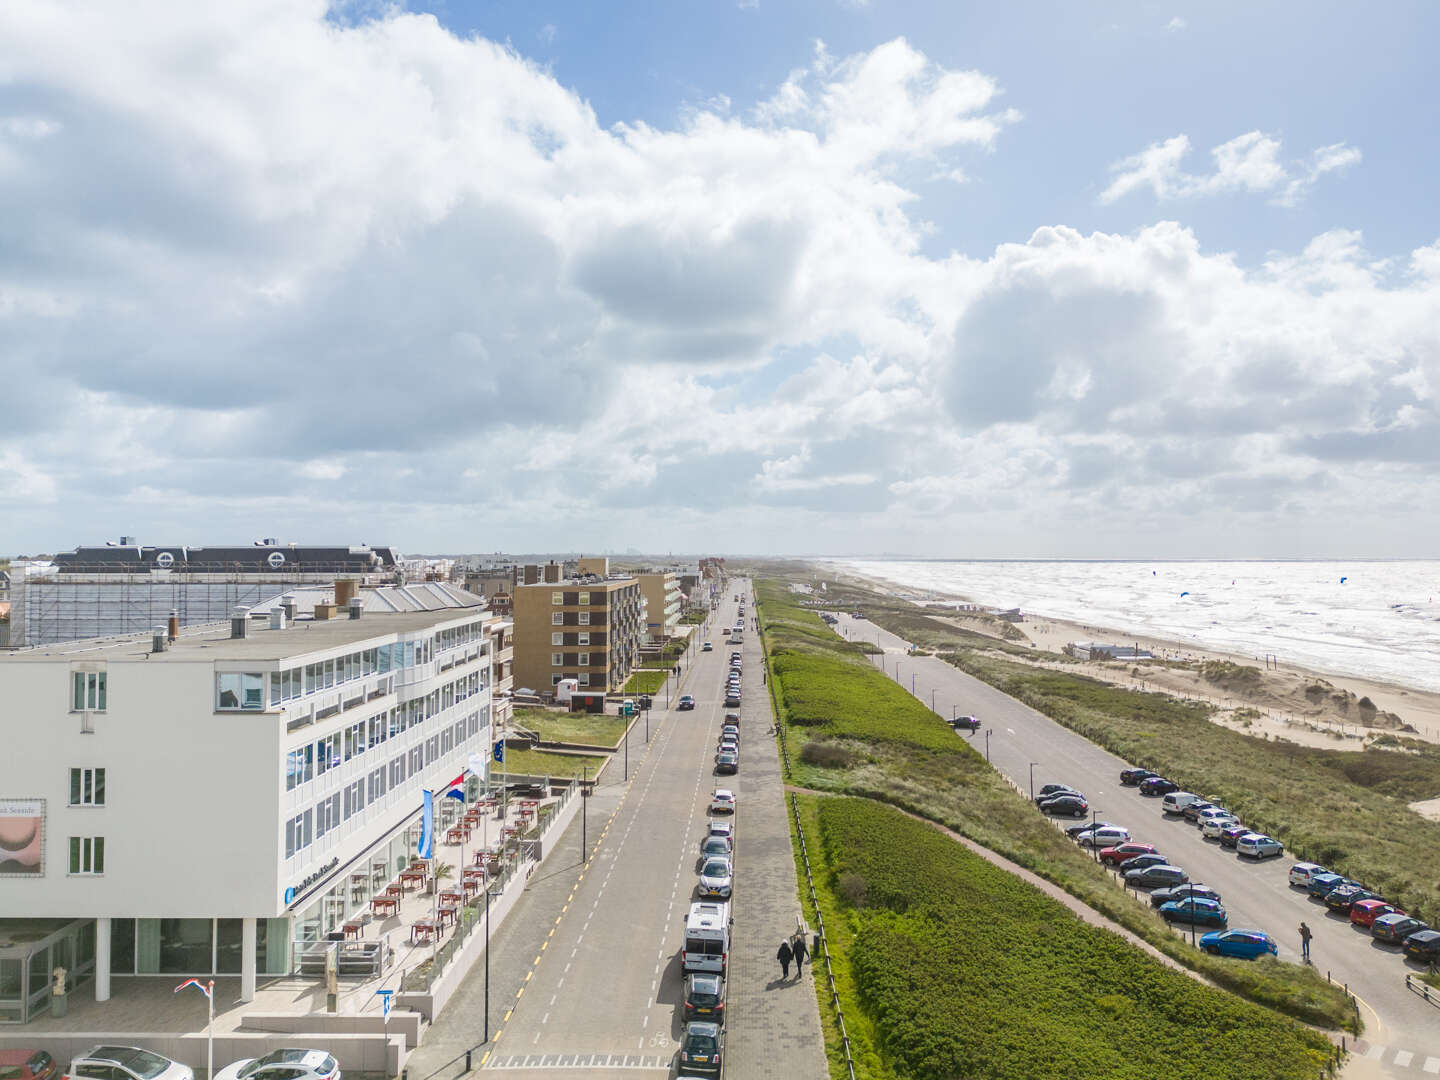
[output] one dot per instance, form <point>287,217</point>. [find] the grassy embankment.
<point>589,729</point>
<point>646,681</point>
<point>547,763</point>
<point>853,731</point>
<point>965,970</point>
<point>1344,809</point>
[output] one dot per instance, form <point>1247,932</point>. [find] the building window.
<point>584,618</point>
<point>298,834</point>
<point>584,678</point>
<point>584,598</point>
<point>239,690</point>
<point>87,691</point>
<point>557,639</point>
<point>557,598</point>
<point>584,639</point>
<point>327,814</point>
<point>557,618</point>
<point>584,660</point>
<point>87,855</point>
<point>556,659</point>
<point>87,787</point>
<point>299,766</point>
<point>555,679</point>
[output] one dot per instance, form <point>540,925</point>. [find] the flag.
<point>195,983</point>
<point>500,751</point>
<point>426,848</point>
<point>456,788</point>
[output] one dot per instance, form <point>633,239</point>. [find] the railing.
<point>824,939</point>
<point>1418,985</point>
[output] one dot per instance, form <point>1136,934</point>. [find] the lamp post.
<point>932,700</point>
<point>1032,780</point>
<point>487,958</point>
<point>1094,820</point>
<point>584,816</point>
<point>987,746</point>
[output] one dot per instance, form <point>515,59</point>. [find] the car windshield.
<point>697,1043</point>
<point>140,1062</point>
<point>716,868</point>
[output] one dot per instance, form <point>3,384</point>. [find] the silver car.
<point>716,878</point>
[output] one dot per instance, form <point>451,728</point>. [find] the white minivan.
<point>707,938</point>
<point>1177,801</point>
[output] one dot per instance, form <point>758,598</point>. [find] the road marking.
<point>1011,730</point>
<point>545,1018</point>
<point>507,1015</point>
<point>1403,1057</point>
<point>1375,1052</point>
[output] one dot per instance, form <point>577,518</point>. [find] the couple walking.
<point>792,949</point>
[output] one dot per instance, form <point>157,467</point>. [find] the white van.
<point>1177,801</point>
<point>707,938</point>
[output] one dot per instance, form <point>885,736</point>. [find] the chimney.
<point>287,605</point>
<point>552,573</point>
<point>173,630</point>
<point>344,590</point>
<point>277,618</point>
<point>239,623</point>
<point>356,607</point>
<point>158,641</point>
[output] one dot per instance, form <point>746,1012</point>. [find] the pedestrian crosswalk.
<point>579,1061</point>
<point>1400,1059</point>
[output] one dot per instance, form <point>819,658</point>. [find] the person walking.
<point>800,952</point>
<point>1305,942</point>
<point>783,954</point>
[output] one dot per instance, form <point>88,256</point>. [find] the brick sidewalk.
<point>774,1026</point>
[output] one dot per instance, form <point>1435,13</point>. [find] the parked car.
<point>1423,945</point>
<point>1181,892</point>
<point>716,878</point>
<point>1258,845</point>
<point>705,997</point>
<point>1048,791</point>
<point>1192,811</point>
<point>722,801</point>
<point>732,718</point>
<point>1345,897</point>
<point>1211,828</point>
<point>1073,805</point>
<point>1157,785</point>
<point>1103,837</point>
<point>1135,776</point>
<point>1194,910</point>
<point>1120,852</point>
<point>733,730</point>
<point>1140,862</point>
<point>1365,912</point>
<point>702,1048</point>
<point>1320,884</point>
<point>1176,801</point>
<point>1396,927</point>
<point>1230,834</point>
<point>1244,944</point>
<point>1074,831</point>
<point>283,1065</point>
<point>26,1065</point>
<point>716,845</point>
<point>732,701</point>
<point>727,764</point>
<point>126,1063</point>
<point>707,647</point>
<point>969,723</point>
<point>723,828</point>
<point>1213,813</point>
<point>1302,872</point>
<point>686,703</point>
<point>1155,877</point>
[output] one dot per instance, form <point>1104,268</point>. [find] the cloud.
<point>546,34</point>
<point>1247,163</point>
<point>1175,24</point>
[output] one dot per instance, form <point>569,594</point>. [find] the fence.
<point>1418,985</point>
<point>824,939</point>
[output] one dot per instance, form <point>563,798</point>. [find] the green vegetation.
<point>1343,809</point>
<point>694,618</point>
<point>1230,676</point>
<point>591,729</point>
<point>646,681</point>
<point>891,749</point>
<point>549,763</point>
<point>970,971</point>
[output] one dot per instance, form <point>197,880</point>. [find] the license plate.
<point>701,1059</point>
<point>702,1010</point>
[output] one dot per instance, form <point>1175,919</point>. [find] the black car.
<point>1183,892</point>
<point>1346,896</point>
<point>1230,835</point>
<point>1134,776</point>
<point>1051,790</point>
<point>702,1048</point>
<point>1192,812</point>
<point>727,763</point>
<point>732,700</point>
<point>705,997</point>
<point>1073,831</point>
<point>1158,785</point>
<point>1424,945</point>
<point>1143,862</point>
<point>1073,805</point>
<point>969,723</point>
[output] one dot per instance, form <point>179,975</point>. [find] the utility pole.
<point>1032,780</point>
<point>584,818</point>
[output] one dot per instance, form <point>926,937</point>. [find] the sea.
<point>1372,619</point>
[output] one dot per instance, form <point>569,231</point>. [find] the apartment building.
<point>212,800</point>
<point>663,602</point>
<point>587,626</point>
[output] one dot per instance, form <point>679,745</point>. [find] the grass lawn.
<point>646,681</point>
<point>592,729</point>
<point>547,763</point>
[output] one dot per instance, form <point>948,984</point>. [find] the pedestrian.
<point>783,954</point>
<point>800,952</point>
<point>1305,942</point>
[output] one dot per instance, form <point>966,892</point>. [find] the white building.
<point>212,803</point>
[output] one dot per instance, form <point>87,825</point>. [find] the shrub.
<point>827,755</point>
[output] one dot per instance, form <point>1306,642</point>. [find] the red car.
<point>1120,852</point>
<point>27,1065</point>
<point>1365,912</point>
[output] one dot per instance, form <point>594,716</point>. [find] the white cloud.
<point>1175,24</point>
<point>1247,163</point>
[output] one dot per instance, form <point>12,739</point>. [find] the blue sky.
<point>1125,280</point>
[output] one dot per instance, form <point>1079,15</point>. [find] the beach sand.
<point>1285,711</point>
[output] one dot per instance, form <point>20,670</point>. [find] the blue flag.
<point>500,751</point>
<point>426,849</point>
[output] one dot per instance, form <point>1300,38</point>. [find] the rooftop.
<point>578,580</point>
<point>212,641</point>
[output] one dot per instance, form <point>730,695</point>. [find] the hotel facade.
<point>217,800</point>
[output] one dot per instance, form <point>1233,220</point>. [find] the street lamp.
<point>987,746</point>
<point>584,817</point>
<point>1094,821</point>
<point>1032,780</point>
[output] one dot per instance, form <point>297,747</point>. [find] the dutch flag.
<point>456,788</point>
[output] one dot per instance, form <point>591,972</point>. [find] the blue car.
<point>1244,944</point>
<point>1194,909</point>
<point>1320,884</point>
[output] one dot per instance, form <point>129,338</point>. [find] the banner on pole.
<point>385,997</point>
<point>426,847</point>
<point>500,751</point>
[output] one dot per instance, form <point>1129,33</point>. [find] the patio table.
<point>388,904</point>
<point>423,928</point>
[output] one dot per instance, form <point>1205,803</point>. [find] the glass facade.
<point>26,965</point>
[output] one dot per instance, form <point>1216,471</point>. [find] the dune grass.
<point>590,729</point>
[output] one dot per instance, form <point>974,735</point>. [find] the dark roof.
<point>252,559</point>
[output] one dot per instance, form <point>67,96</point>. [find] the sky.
<point>840,277</point>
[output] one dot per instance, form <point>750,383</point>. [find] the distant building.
<point>663,601</point>
<point>1095,650</point>
<point>586,627</point>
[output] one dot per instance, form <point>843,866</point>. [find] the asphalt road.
<point>1402,1035</point>
<point>603,994</point>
